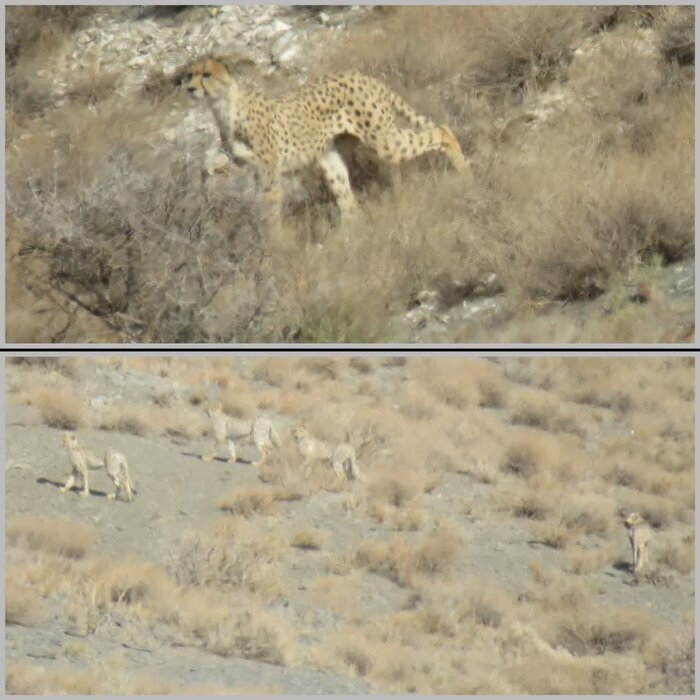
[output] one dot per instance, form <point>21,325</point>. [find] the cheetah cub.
<point>281,135</point>
<point>640,537</point>
<point>82,461</point>
<point>343,459</point>
<point>260,429</point>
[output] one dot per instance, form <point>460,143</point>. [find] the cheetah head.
<point>212,408</point>
<point>68,439</point>
<point>632,520</point>
<point>300,432</point>
<point>208,78</point>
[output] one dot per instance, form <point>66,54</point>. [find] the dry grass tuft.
<point>679,556</point>
<point>249,502</point>
<point>23,605</point>
<point>588,561</point>
<point>529,91</point>
<point>401,561</point>
<point>62,537</point>
<point>58,408</point>
<point>307,539</point>
<point>235,555</point>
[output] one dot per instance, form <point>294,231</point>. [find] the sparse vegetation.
<point>579,122</point>
<point>370,582</point>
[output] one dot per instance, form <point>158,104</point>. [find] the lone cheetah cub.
<point>281,135</point>
<point>343,459</point>
<point>83,460</point>
<point>260,429</point>
<point>640,537</point>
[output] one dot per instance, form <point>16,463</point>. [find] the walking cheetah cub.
<point>82,461</point>
<point>640,537</point>
<point>343,459</point>
<point>260,429</point>
<point>281,135</point>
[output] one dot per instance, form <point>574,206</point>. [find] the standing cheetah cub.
<point>281,135</point>
<point>640,537</point>
<point>83,460</point>
<point>343,459</point>
<point>260,429</point>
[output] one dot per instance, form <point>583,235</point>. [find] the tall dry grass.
<point>530,91</point>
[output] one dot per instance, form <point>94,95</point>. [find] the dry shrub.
<point>417,403</point>
<point>25,679</point>
<point>451,380</point>
<point>679,556</point>
<point>239,401</point>
<point>592,513</point>
<point>307,539</point>
<point>673,655</point>
<point>529,453</point>
<point>251,637</point>
<point>396,490</point>
<point>249,502</point>
<point>32,32</point>
<point>597,630</point>
<point>551,532</point>
<point>401,560</point>
<point>62,537</point>
<point>353,654</point>
<point>658,511</point>
<point>133,583</point>
<point>483,471</point>
<point>485,604</point>
<point>533,505</point>
<point>676,28</point>
<point>235,555</point>
<point>114,225</point>
<point>361,365</point>
<point>23,605</point>
<point>337,593</point>
<point>499,48</point>
<point>132,419</point>
<point>559,673</point>
<point>58,407</point>
<point>587,561</point>
<point>557,591</point>
<point>411,518</point>
<point>493,390</point>
<point>153,419</point>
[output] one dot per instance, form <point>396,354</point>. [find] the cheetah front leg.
<point>214,450</point>
<point>232,456</point>
<point>86,490</point>
<point>336,174</point>
<point>643,557</point>
<point>635,552</point>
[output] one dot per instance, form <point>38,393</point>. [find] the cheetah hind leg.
<point>453,150</point>
<point>336,175</point>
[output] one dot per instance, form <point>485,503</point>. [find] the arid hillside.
<point>124,222</point>
<point>481,550</point>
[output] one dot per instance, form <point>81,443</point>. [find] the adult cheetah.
<point>342,458</point>
<point>83,460</point>
<point>640,537</point>
<point>281,135</point>
<point>225,427</point>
